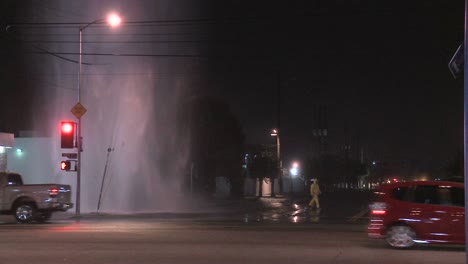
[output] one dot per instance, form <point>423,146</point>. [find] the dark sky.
<point>379,68</point>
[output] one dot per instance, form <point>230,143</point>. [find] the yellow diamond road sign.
<point>78,110</point>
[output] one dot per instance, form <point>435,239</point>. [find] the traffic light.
<point>65,165</point>
<point>67,134</point>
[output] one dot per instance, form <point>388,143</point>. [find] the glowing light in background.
<point>19,152</point>
<point>295,169</point>
<point>274,133</point>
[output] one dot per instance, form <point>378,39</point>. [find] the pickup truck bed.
<point>34,201</point>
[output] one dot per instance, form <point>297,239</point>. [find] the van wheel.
<point>400,236</point>
<point>25,212</point>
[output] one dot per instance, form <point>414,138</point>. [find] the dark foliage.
<point>333,169</point>
<point>215,144</point>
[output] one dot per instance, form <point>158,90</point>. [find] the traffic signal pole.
<point>79,139</point>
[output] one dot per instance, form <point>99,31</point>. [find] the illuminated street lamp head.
<point>295,165</point>
<point>274,133</point>
<point>114,20</point>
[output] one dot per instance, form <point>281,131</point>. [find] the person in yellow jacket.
<point>315,192</point>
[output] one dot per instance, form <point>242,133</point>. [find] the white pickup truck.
<point>32,202</point>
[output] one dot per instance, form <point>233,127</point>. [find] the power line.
<point>115,34</point>
<point>71,26</point>
<point>120,54</point>
<point>44,25</point>
<point>169,21</point>
<point>126,42</point>
<point>74,75</point>
<point>42,50</point>
<point>215,20</point>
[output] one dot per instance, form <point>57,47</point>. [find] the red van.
<point>407,213</point>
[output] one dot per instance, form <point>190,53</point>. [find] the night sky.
<point>378,68</point>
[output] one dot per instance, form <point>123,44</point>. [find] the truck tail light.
<point>378,209</point>
<point>53,192</point>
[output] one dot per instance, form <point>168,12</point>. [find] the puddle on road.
<point>296,215</point>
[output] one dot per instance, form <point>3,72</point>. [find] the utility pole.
<point>465,104</point>
<point>278,118</point>
<point>113,20</point>
<point>191,179</point>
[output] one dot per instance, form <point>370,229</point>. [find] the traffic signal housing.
<point>65,165</point>
<point>67,134</point>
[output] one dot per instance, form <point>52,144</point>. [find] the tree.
<point>215,143</point>
<point>456,167</point>
<point>262,167</point>
<point>333,169</point>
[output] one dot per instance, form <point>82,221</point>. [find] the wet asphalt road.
<point>202,239</point>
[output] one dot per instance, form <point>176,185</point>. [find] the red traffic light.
<point>65,165</point>
<point>67,134</point>
<point>67,127</point>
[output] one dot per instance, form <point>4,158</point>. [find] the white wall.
<point>38,162</point>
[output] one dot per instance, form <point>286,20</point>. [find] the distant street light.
<point>113,20</point>
<point>293,172</point>
<point>274,133</point>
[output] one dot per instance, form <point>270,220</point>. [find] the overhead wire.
<point>150,22</point>
<point>35,25</point>
<point>42,50</point>
<point>133,23</point>
<point>121,54</point>
<point>122,42</point>
<point>116,34</point>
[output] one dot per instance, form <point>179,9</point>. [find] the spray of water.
<point>131,104</point>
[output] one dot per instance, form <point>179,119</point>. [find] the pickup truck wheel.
<point>43,217</point>
<point>25,212</point>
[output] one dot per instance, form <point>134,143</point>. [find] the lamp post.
<point>275,133</point>
<point>113,20</point>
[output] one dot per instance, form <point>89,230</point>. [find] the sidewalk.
<point>336,207</point>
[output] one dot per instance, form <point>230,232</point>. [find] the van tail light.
<point>378,212</point>
<point>378,208</point>
<point>53,192</point>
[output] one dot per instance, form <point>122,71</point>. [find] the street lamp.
<point>275,133</point>
<point>113,20</point>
